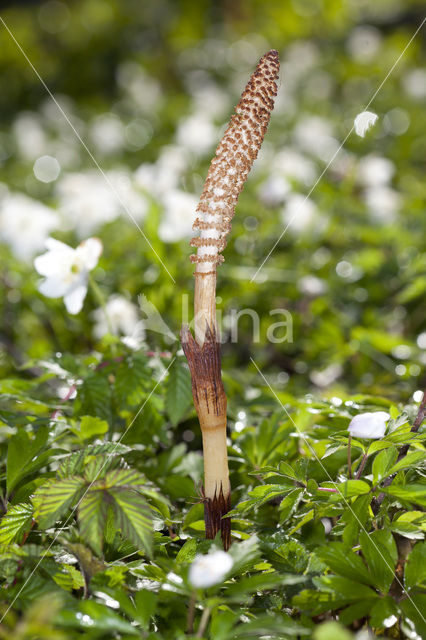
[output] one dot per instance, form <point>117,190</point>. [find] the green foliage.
<point>178,394</point>
<point>101,515</point>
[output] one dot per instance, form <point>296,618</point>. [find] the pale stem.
<point>216,472</point>
<point>349,457</point>
<point>361,466</point>
<point>204,304</point>
<point>203,622</point>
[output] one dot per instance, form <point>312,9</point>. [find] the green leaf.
<point>331,631</point>
<point>415,568</point>
<point>384,613</point>
<point>383,462</point>
<point>91,426</point>
<point>124,478</point>
<point>178,392</point>
<point>75,463</point>
<point>133,517</point>
<point>187,552</point>
<point>410,460</point>
<point>355,516</point>
<point>92,515</point>
<point>16,521</point>
<point>380,553</point>
<point>52,499</point>
<point>21,451</point>
<point>345,562</point>
<point>345,590</point>
<point>413,493</point>
<point>348,489</point>
<point>413,609</point>
<point>94,397</point>
<point>92,617</point>
<point>146,604</point>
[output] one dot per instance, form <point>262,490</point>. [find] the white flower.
<point>294,165</point>
<point>25,224</point>
<point>88,200</point>
<point>66,270</point>
<point>211,569</point>
<point>369,425</point>
<point>274,190</point>
<point>122,316</point>
<point>315,135</point>
<point>196,133</point>
<point>30,137</point>
<point>374,170</point>
<point>363,122</point>
<point>300,213</point>
<point>178,216</point>
<point>364,43</point>
<point>414,83</point>
<point>383,203</point>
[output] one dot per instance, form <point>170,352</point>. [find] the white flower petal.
<point>363,122</point>
<point>209,570</point>
<point>56,245</point>
<point>53,287</point>
<point>89,252</point>
<point>369,425</point>
<point>74,298</point>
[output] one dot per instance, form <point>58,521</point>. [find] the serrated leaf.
<point>92,515</point>
<point>380,553</point>
<point>94,397</point>
<point>133,517</point>
<point>54,498</point>
<point>410,460</point>
<point>20,453</point>
<point>74,463</point>
<point>413,493</point>
<point>415,568</point>
<point>178,392</point>
<point>345,562</point>
<point>383,462</point>
<point>131,375</point>
<point>187,552</point>
<point>125,478</point>
<point>16,521</point>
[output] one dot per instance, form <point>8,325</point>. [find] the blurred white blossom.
<point>414,83</point>
<point>107,133</point>
<point>120,316</point>
<point>364,121</point>
<point>383,203</point>
<point>88,200</point>
<point>178,216</point>
<point>158,178</point>
<point>364,43</point>
<point>327,376</point>
<point>196,133</point>
<point>25,224</point>
<point>66,270</point>
<point>210,569</point>
<point>369,425</point>
<point>273,190</point>
<point>294,165</point>
<point>374,170</point>
<point>315,135</point>
<point>30,135</point>
<point>299,213</point>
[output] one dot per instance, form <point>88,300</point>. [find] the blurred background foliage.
<point>149,87</point>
